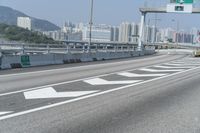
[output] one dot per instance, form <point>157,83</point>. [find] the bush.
<point>14,33</point>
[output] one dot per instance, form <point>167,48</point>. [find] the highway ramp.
<point>147,94</point>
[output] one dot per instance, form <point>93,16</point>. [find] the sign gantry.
<point>175,6</point>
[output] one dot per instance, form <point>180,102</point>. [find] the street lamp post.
<point>91,23</point>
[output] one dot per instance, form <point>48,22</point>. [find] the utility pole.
<point>90,23</point>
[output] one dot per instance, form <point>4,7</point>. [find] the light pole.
<point>91,23</point>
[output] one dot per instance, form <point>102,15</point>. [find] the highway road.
<point>151,94</point>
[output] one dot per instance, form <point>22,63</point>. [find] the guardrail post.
<point>96,49</point>
<point>122,48</point>
<point>48,49</point>
<point>83,48</point>
<point>67,48</point>
<point>115,48</point>
<point>106,47</point>
<point>23,49</point>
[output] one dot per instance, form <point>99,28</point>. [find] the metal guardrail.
<point>82,47</point>
<point>66,47</point>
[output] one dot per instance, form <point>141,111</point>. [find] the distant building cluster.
<point>125,32</point>
<point>171,35</point>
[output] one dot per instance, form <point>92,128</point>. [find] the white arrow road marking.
<point>3,113</point>
<point>155,70</point>
<point>51,93</point>
<point>168,67</point>
<point>131,75</point>
<point>99,81</point>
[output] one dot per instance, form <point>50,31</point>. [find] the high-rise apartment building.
<point>128,32</point>
<point>24,22</point>
<point>100,33</point>
<point>114,34</point>
<point>125,32</point>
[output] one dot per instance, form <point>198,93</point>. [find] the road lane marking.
<point>50,92</point>
<point>171,67</point>
<point>89,96</point>
<point>67,82</point>
<point>99,81</point>
<point>156,70</point>
<point>177,64</point>
<point>3,113</point>
<point>186,62</point>
<point>132,75</point>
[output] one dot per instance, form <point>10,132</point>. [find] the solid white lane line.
<point>3,113</point>
<point>132,75</point>
<point>51,93</point>
<point>155,70</point>
<point>99,81</point>
<point>169,67</point>
<point>88,96</point>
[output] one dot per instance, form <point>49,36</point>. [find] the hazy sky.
<point>105,11</point>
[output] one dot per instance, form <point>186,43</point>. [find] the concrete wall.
<point>10,61</point>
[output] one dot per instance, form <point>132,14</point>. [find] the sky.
<point>111,12</point>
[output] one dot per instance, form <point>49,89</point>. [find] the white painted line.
<point>177,64</point>
<point>155,70</point>
<point>132,75</point>
<point>50,92</point>
<point>171,67</point>
<point>173,64</point>
<point>88,96</point>
<point>3,113</point>
<point>99,81</point>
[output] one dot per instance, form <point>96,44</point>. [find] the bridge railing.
<point>66,47</point>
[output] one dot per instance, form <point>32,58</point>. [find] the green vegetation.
<point>14,33</point>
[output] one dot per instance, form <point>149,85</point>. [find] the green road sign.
<point>25,61</point>
<point>185,1</point>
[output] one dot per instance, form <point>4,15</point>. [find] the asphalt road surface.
<point>152,94</point>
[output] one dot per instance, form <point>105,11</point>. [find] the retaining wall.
<point>18,61</point>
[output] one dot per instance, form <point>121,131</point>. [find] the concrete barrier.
<point>15,61</point>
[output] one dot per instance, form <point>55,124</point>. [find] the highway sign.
<point>179,8</point>
<point>185,1</point>
<point>25,61</point>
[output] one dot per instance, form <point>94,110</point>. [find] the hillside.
<point>14,33</point>
<point>9,16</point>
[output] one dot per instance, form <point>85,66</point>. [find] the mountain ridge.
<point>9,16</point>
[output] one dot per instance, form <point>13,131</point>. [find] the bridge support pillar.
<point>142,24</point>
